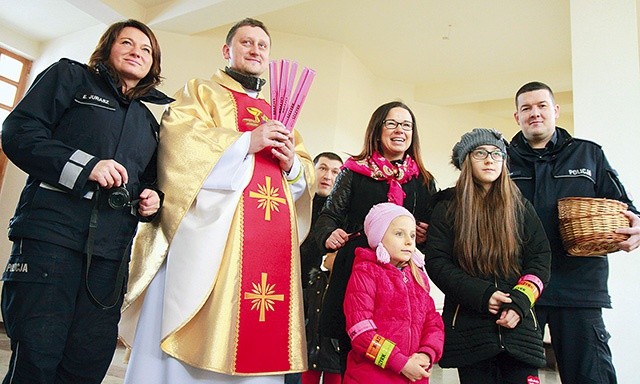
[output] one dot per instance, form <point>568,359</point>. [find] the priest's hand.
<point>285,154</point>
<point>270,134</point>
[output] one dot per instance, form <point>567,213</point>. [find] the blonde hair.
<point>415,272</point>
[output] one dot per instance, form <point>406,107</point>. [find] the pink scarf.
<point>378,167</point>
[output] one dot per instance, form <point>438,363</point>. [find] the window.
<point>14,70</point>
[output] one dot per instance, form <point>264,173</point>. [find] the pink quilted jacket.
<point>402,311</point>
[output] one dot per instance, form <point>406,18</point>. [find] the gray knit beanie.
<point>471,140</point>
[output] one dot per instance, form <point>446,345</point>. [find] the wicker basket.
<point>587,225</point>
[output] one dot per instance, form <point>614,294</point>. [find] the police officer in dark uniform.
<point>88,144</point>
<point>548,164</point>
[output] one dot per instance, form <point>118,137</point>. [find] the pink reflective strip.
<point>359,328</point>
<point>535,280</point>
<point>273,87</point>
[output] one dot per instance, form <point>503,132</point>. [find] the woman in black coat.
<point>88,142</point>
<point>487,251</point>
<point>389,169</point>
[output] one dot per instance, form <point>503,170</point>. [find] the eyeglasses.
<point>481,154</point>
<point>406,126</point>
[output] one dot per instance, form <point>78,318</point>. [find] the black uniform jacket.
<point>569,168</point>
<point>471,332</point>
<point>71,118</point>
<point>352,197</point>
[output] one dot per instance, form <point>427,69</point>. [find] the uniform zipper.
<point>535,320</point>
<point>455,317</point>
<point>405,279</point>
<point>495,281</point>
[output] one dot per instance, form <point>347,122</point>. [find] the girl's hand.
<point>508,319</point>
<point>496,300</point>
<point>413,371</point>
<point>423,359</point>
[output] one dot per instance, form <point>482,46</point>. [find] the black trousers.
<point>57,334</point>
<point>500,369</point>
<point>580,343</point>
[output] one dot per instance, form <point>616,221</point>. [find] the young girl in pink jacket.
<point>395,331</point>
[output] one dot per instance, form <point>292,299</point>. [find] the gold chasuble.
<point>249,320</point>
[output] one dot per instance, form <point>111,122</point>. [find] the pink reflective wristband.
<point>361,327</point>
<point>535,280</point>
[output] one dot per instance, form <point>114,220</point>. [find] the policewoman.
<point>88,145</point>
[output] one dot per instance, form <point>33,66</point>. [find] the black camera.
<point>119,197</point>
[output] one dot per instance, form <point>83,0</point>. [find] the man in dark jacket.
<point>321,350</point>
<point>327,166</point>
<point>547,163</point>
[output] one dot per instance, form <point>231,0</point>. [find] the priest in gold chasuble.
<point>214,294</point>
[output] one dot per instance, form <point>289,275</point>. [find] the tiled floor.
<point>116,371</point>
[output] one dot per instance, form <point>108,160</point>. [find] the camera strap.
<point>93,225</point>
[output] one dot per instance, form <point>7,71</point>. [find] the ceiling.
<point>431,44</point>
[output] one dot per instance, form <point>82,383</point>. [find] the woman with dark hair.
<point>388,169</point>
<point>102,55</point>
<point>487,251</point>
<point>88,144</point>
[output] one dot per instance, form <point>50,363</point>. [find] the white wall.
<point>606,88</point>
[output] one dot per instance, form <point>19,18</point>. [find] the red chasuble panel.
<point>265,291</point>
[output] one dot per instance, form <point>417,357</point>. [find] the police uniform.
<point>71,118</point>
<point>572,302</point>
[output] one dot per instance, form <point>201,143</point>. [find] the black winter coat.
<point>323,352</point>
<point>70,119</point>
<point>310,251</point>
<point>471,332</point>
<point>352,197</point>
<point>567,168</point>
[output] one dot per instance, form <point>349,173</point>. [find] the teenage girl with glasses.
<point>487,251</point>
